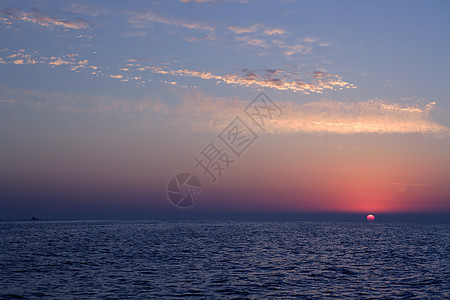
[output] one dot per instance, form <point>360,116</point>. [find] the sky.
<point>275,106</point>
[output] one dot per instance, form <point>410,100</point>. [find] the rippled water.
<point>223,259</point>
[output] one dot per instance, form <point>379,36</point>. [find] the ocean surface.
<point>223,259</point>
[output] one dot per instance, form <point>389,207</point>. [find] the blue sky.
<point>105,87</point>
<point>386,50</point>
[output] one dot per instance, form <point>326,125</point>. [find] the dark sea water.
<point>223,259</point>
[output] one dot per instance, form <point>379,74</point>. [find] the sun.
<point>370,217</point>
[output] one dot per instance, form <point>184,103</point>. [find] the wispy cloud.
<point>275,31</point>
<point>5,20</point>
<point>74,103</point>
<point>137,19</point>
<point>194,39</point>
<point>38,17</point>
<point>288,78</point>
<point>320,74</point>
<point>370,116</point>
<point>261,36</point>
<point>70,61</point>
<point>22,57</point>
<point>255,42</point>
<point>7,101</point>
<point>292,49</point>
<point>276,79</point>
<point>240,30</point>
<point>202,112</point>
<point>261,29</point>
<point>90,10</point>
<point>310,40</point>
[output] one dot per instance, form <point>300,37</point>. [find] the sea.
<point>174,259</point>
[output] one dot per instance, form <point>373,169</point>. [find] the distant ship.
<point>34,219</point>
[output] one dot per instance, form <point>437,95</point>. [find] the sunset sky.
<point>102,102</point>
